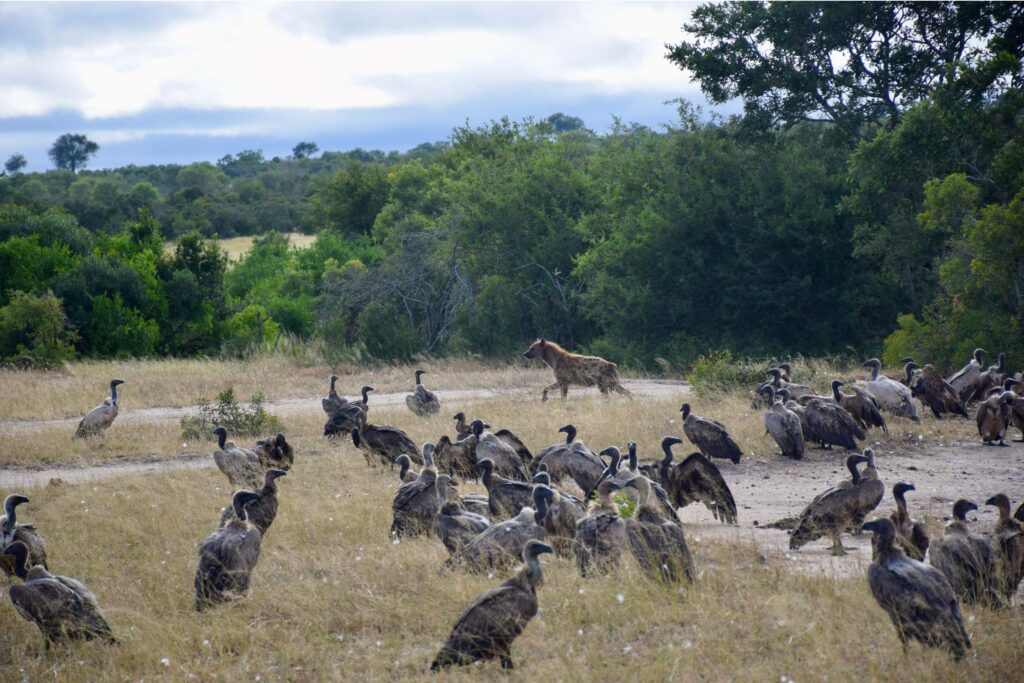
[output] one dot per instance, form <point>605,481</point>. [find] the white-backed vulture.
<point>62,607</point>
<point>275,453</point>
<point>989,379</point>
<point>910,534</point>
<point>506,497</point>
<point>778,382</point>
<point>516,444</point>
<point>658,543</point>
<point>600,536</point>
<point>262,510</point>
<point>709,436</point>
<point>422,401</point>
<point>918,598</point>
<point>240,465</point>
<point>456,459</point>
<point>696,479</point>
<point>993,418</point>
<point>965,380</point>
<point>463,428</point>
<point>833,511</point>
<point>102,416</point>
<point>965,558</point>
<point>784,426</point>
<point>416,503</point>
<point>228,556</point>
<point>405,475</point>
<point>571,459</point>
<point>498,546</point>
<point>564,511</point>
<point>334,400</point>
<point>889,394</point>
<point>454,524</point>
<point>493,621</point>
<point>1007,549</point>
<point>506,461</point>
<point>936,393</point>
<point>860,405</point>
<point>386,443</point>
<point>12,530</point>
<point>832,425</point>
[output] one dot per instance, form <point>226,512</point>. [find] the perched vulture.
<point>696,479</point>
<point>1007,549</point>
<point>240,465</point>
<point>965,380</point>
<point>709,436</point>
<point>784,426</point>
<point>228,556</point>
<point>936,393</point>
<point>11,530</point>
<point>600,536</point>
<point>889,394</point>
<point>965,558</point>
<point>658,543</point>
<point>102,416</point>
<point>422,401</point>
<point>910,534</point>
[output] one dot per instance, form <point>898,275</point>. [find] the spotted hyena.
<point>572,368</point>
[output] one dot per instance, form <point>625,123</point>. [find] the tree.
<point>563,123</point>
<point>15,163</point>
<point>36,327</point>
<point>305,150</point>
<point>72,151</point>
<point>845,62</point>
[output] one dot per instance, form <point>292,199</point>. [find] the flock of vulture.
<point>530,507</point>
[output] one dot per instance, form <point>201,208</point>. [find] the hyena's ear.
<point>542,342</point>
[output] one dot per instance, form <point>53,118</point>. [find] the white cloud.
<point>246,56</point>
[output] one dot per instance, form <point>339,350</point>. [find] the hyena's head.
<point>536,348</point>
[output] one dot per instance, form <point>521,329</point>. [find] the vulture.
<point>709,436</point>
<point>870,490</point>
<point>344,419</point>
<point>798,409</point>
<point>62,607</point>
<point>964,558</point>
<point>26,534</point>
<point>516,444</point>
<point>240,465</point>
<point>696,479</point>
<point>564,511</point>
<point>387,443</point>
<point>506,461</point>
<point>989,379</point>
<point>275,453</point>
<point>422,401</point>
<point>785,370</point>
<point>456,459</point>
<point>263,509</point>
<point>918,598</point>
<point>658,543</point>
<point>860,405</point>
<point>506,497</point>
<point>912,373</point>
<point>463,428</point>
<point>889,394</point>
<point>910,534</point>
<point>228,556</point>
<point>936,393</point>
<point>832,511</point>
<point>779,382</point>
<point>1017,409</point>
<point>102,416</point>
<point>488,626</point>
<point>784,426</point>
<point>831,424</point>
<point>965,380</point>
<point>404,463</point>
<point>415,504</point>
<point>1007,549</point>
<point>993,418</point>
<point>498,545</point>
<point>571,459</point>
<point>623,476</point>
<point>333,400</point>
<point>600,536</point>
<point>454,524</point>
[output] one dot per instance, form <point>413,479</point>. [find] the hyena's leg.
<point>544,395</point>
<point>622,390</point>
<point>565,389</point>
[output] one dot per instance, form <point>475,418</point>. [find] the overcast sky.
<point>175,83</point>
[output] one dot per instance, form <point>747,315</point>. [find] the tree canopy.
<point>72,151</point>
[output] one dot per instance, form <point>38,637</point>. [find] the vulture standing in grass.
<point>240,465</point>
<point>422,401</point>
<point>910,534</point>
<point>832,425</point>
<point>965,558</point>
<point>564,511</point>
<point>516,444</point>
<point>228,556</point>
<point>571,459</point>
<point>696,479</point>
<point>709,436</point>
<point>387,443</point>
<point>810,435</point>
<point>870,491</point>
<point>275,453</point>
<point>912,373</point>
<point>779,382</point>
<point>600,536</point>
<point>860,405</point>
<point>499,545</point>
<point>334,400</point>
<point>507,462</point>
<point>347,417</point>
<point>456,459</point>
<point>97,420</point>
<point>993,418</point>
<point>454,524</point>
<point>415,503</point>
<point>936,393</point>
<point>263,509</point>
<point>1007,549</point>
<point>889,394</point>
<point>624,475</point>
<point>965,380</point>
<point>11,530</point>
<point>1016,408</point>
<point>784,426</point>
<point>918,598</point>
<point>832,511</point>
<point>658,543</point>
<point>990,379</point>
<point>506,497</point>
<point>62,607</point>
<point>488,627</point>
<point>405,475</point>
<point>464,429</point>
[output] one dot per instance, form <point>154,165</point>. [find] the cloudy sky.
<point>175,83</point>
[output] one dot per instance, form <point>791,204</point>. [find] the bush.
<point>239,420</point>
<point>720,371</point>
<point>35,327</point>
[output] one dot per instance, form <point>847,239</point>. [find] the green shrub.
<point>720,371</point>
<point>227,412</point>
<point>35,327</point>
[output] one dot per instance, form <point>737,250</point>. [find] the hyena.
<point>572,368</point>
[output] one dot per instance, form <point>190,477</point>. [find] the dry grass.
<point>334,598</point>
<point>237,247</point>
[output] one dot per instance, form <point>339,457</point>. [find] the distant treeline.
<point>898,230</point>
